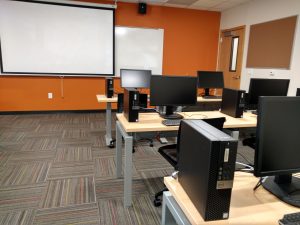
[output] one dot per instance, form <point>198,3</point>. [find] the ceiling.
<point>211,5</point>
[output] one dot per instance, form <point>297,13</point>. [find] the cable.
<point>195,114</point>
<point>259,183</point>
<point>245,165</point>
<point>62,86</point>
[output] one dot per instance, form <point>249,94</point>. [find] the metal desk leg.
<point>171,211</point>
<point>108,124</point>
<point>118,150</point>
<point>128,162</point>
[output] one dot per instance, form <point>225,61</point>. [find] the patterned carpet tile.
<point>21,197</point>
<point>75,142</point>
<point>114,188</point>
<point>74,154</point>
<point>24,173</point>
<point>112,211</point>
<point>71,191</point>
<point>40,144</point>
<point>75,133</point>
<point>154,179</point>
<point>98,152</point>
<point>85,214</point>
<point>23,217</point>
<point>52,127</point>
<point>11,137</point>
<point>99,141</point>
<point>4,156</point>
<point>154,162</point>
<point>105,168</point>
<point>31,156</point>
<point>71,169</point>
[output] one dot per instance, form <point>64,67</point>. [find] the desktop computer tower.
<point>206,165</point>
<point>131,104</point>
<point>233,102</point>
<point>109,87</point>
<point>298,92</point>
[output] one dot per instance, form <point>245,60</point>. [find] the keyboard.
<point>171,122</point>
<point>212,97</point>
<point>290,219</point>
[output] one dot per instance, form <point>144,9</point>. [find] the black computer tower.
<point>109,87</point>
<point>206,165</point>
<point>233,102</point>
<point>131,104</point>
<point>298,92</point>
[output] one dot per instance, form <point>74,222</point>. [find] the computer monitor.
<point>265,87</point>
<point>135,78</point>
<point>210,79</point>
<point>171,91</point>
<point>277,147</point>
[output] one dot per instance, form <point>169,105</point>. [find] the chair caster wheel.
<point>157,202</point>
<point>151,145</point>
<point>111,144</point>
<point>133,150</point>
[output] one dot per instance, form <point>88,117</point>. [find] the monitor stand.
<point>206,92</point>
<point>170,115</point>
<point>285,187</point>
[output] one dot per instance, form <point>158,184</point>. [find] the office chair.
<point>170,152</point>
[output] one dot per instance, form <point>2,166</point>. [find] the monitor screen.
<point>210,79</point>
<point>277,145</point>
<point>135,78</point>
<point>173,90</point>
<point>266,87</point>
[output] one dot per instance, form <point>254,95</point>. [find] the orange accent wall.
<point>190,44</point>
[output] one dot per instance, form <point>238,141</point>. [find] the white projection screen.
<point>44,38</point>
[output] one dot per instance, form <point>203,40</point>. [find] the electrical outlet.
<point>50,95</point>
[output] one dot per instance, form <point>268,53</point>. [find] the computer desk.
<point>247,207</point>
<point>114,99</point>
<point>149,122</point>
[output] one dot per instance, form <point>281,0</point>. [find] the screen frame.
<point>260,126</point>
<point>168,76</point>
<point>121,79</point>
<point>264,79</point>
<point>4,73</point>
<point>212,72</point>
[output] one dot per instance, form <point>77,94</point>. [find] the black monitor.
<point>171,91</point>
<point>277,153</point>
<point>210,79</point>
<point>135,78</point>
<point>265,87</point>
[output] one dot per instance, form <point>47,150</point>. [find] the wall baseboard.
<point>53,111</point>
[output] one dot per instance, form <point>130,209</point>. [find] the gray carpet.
<point>56,169</point>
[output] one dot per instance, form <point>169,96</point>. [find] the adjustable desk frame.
<point>152,122</point>
<point>108,101</point>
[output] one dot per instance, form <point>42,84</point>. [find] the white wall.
<point>258,11</point>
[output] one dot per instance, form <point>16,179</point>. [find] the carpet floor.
<point>56,169</point>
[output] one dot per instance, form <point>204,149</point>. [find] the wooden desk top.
<point>103,98</point>
<point>246,208</point>
<point>152,121</point>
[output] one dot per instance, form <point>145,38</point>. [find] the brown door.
<point>231,55</point>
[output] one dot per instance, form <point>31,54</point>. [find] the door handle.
<point>236,77</point>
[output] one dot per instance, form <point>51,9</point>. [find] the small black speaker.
<point>109,87</point>
<point>142,8</point>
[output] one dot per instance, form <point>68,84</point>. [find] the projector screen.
<point>56,39</point>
